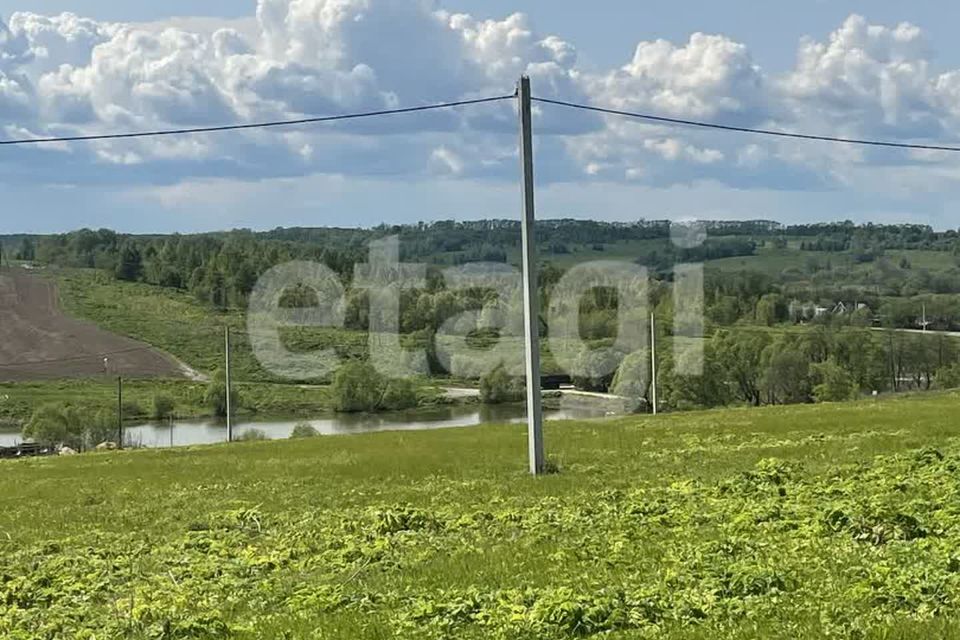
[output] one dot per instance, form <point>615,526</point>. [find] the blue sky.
<point>837,68</point>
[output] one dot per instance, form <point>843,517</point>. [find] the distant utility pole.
<point>653,363</point>
<point>226,340</point>
<point>530,292</point>
<point>924,322</point>
<point>120,412</point>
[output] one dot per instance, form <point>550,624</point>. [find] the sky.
<point>874,69</point>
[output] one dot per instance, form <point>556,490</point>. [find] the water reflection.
<point>194,432</point>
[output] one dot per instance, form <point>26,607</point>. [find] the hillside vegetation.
<point>828,521</point>
<point>790,313</point>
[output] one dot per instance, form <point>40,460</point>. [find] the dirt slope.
<point>38,342</point>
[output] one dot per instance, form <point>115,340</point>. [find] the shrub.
<point>304,430</point>
<point>595,369</point>
<point>132,409</point>
<point>102,429</point>
<point>357,387</point>
<point>253,435</point>
<point>948,377</point>
<point>61,424</point>
<point>498,387</point>
<point>216,396</point>
<point>399,394</point>
<point>163,407</point>
<point>632,379</point>
<point>57,425</point>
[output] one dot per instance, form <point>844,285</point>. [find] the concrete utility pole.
<point>531,301</point>
<point>120,412</point>
<point>653,363</point>
<point>226,343</point>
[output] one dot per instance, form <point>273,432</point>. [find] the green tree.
<point>770,310</point>
<point>27,250</point>
<point>357,386</point>
<point>863,354</point>
<point>834,383</point>
<point>948,377</point>
<point>216,396</point>
<point>57,425</point>
<point>102,429</point>
<point>596,369</point>
<point>785,375</point>
<point>632,380</point>
<point>164,406</point>
<point>738,355</point>
<point>61,424</point>
<point>398,394</point>
<point>497,387</point>
<point>130,263</point>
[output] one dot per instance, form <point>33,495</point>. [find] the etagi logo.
<point>384,277</point>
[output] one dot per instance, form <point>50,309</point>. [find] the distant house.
<point>804,311</point>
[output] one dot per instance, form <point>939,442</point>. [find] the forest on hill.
<point>820,262</point>
<point>790,311</point>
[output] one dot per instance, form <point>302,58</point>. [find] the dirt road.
<point>38,342</point>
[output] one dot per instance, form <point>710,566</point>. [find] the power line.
<point>763,132</point>
<point>257,125</point>
<point>460,103</point>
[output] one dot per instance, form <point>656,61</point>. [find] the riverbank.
<point>162,434</point>
<point>19,400</point>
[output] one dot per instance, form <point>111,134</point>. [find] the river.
<point>183,433</point>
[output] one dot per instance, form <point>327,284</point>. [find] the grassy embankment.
<point>821,521</point>
<point>175,322</point>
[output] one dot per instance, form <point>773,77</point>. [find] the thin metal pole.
<point>120,412</point>
<point>530,293</point>
<point>653,363</point>
<point>226,338</point>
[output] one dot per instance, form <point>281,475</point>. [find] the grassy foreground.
<point>787,522</point>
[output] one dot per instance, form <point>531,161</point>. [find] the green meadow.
<point>826,521</point>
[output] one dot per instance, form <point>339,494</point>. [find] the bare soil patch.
<point>39,342</point>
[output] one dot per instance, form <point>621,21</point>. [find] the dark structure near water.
<point>27,450</point>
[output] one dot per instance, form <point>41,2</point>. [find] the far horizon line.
<point>708,222</point>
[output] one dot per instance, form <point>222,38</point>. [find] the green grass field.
<point>176,322</point>
<point>838,521</point>
<point>774,261</point>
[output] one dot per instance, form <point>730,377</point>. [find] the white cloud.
<point>674,149</point>
<point>67,74</point>
<point>14,48</point>
<point>446,161</point>
<point>710,76</point>
<point>63,39</point>
<point>869,79</point>
<point>303,57</point>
